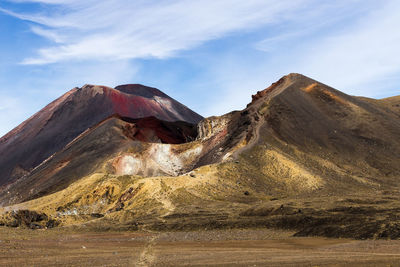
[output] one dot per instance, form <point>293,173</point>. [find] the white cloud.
<point>120,29</point>
<point>361,55</point>
<point>314,16</point>
<point>49,34</point>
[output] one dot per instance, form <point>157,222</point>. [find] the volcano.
<point>60,122</point>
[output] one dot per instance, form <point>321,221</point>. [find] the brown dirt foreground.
<point>255,247</point>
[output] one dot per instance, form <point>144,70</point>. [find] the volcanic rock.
<point>60,122</point>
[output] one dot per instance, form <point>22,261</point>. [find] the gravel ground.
<point>254,247</point>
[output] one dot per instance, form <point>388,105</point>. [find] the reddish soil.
<point>261,94</point>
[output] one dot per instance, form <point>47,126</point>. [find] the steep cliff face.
<point>212,126</point>
<point>49,130</point>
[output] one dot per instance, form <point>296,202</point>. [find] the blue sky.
<point>210,55</point>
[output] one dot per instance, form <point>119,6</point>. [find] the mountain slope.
<point>301,156</point>
<point>49,130</point>
<point>91,150</point>
<point>351,138</point>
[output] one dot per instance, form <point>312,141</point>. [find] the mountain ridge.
<point>302,156</point>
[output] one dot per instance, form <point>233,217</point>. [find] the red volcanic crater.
<point>57,124</point>
<point>138,101</point>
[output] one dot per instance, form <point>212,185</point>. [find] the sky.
<point>210,55</point>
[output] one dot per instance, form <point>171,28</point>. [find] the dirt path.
<point>148,256</point>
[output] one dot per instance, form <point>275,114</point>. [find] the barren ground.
<point>255,247</point>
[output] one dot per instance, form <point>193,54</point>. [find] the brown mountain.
<point>59,123</point>
<point>301,156</point>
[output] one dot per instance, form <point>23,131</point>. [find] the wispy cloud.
<point>360,56</point>
<point>48,34</point>
<point>314,16</point>
<point>121,29</point>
